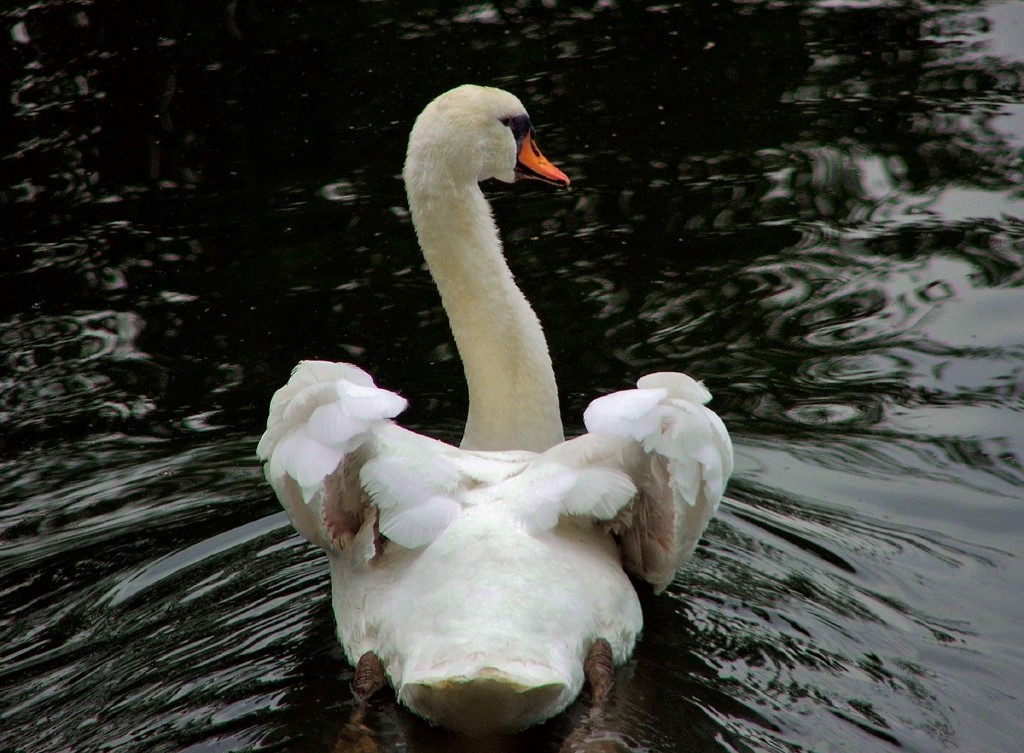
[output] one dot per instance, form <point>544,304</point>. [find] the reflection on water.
<point>49,359</point>
<point>815,206</point>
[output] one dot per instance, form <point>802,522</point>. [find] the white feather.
<point>303,458</point>
<point>369,403</point>
<point>393,482</point>
<point>689,460</point>
<point>599,493</point>
<point>626,413</point>
<point>333,425</point>
<point>677,385</point>
<point>418,525</point>
<point>301,403</point>
<point>535,496</point>
<point>324,412</point>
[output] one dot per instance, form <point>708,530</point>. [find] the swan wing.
<point>346,474</point>
<point>677,453</point>
<point>420,485</point>
<point>582,478</point>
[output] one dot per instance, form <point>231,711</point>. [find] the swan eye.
<point>520,125</point>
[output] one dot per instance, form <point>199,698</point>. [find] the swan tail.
<point>679,455</point>
<point>485,700</point>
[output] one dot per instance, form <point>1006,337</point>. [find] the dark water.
<point>816,207</point>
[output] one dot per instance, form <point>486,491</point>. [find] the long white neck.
<point>513,398</point>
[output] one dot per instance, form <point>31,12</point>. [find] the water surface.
<point>816,207</point>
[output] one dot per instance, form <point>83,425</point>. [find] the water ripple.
<point>803,593</point>
<point>814,206</point>
<point>153,639</point>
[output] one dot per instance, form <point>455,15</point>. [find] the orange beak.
<point>530,163</point>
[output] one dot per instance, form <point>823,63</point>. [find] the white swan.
<point>482,579</point>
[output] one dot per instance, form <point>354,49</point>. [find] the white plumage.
<point>481,576</point>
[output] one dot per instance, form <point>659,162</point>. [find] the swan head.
<point>472,133</point>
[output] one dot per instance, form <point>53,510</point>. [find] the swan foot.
<point>591,734</point>
<point>355,736</point>
<point>367,680</point>
<point>599,669</point>
<point>590,737</point>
